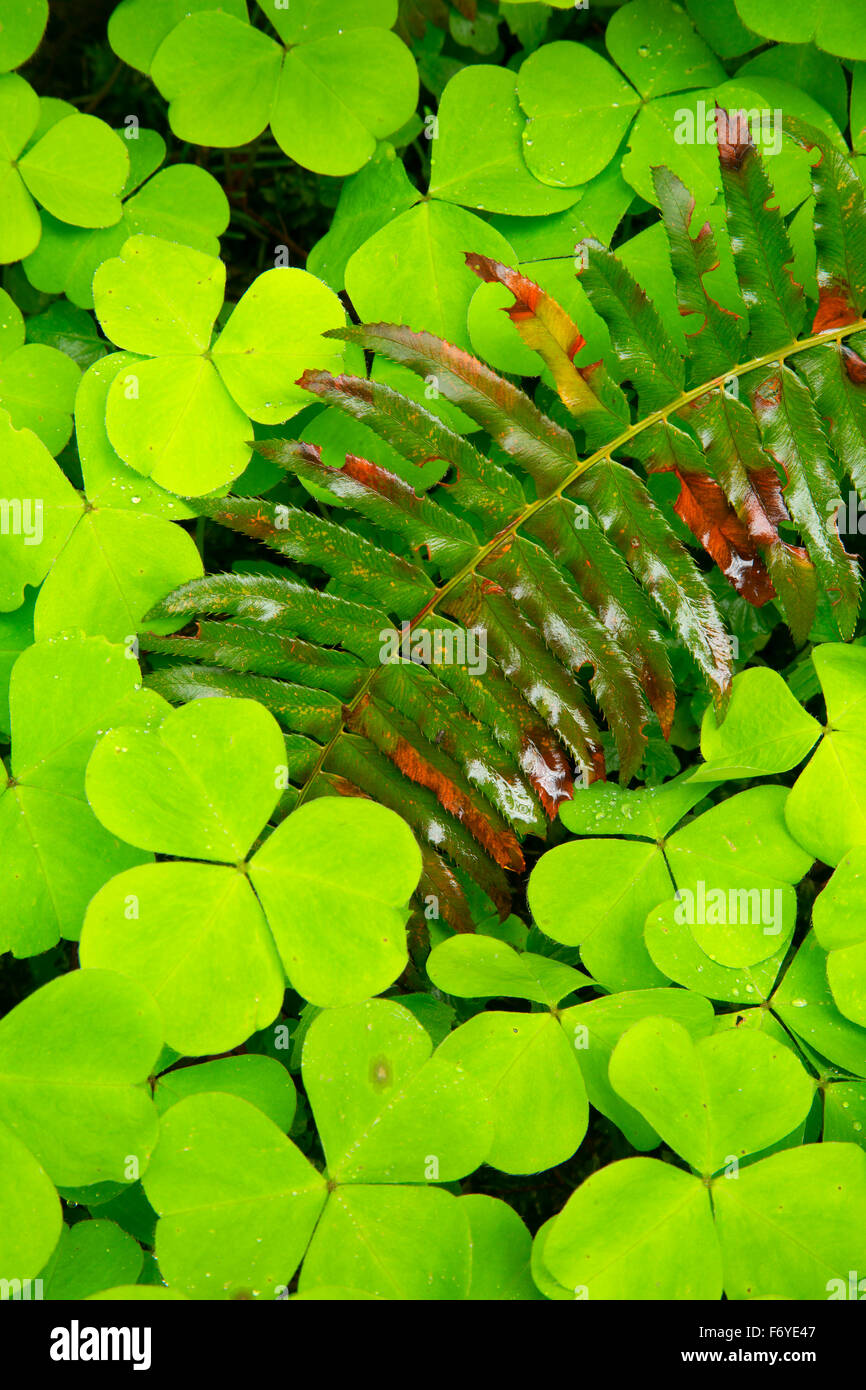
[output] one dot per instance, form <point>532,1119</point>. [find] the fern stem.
<point>605,452</point>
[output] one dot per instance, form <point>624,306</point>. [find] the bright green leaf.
<point>721,1098</point>
<point>339,922</point>
<point>194,936</point>
<point>475,967</point>
<point>638,1229</point>
<point>262,1081</point>
<point>386,1110</point>
<point>74,1061</point>
<point>91,1256</point>
<point>237,1201</point>
<point>221,761</point>
<point>538,1099</point>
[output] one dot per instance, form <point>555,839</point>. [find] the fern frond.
<point>549,549</point>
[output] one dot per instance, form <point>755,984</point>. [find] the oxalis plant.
<point>433,827</point>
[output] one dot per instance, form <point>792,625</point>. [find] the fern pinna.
<point>560,558</point>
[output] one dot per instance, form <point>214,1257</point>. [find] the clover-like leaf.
<point>386,1109</point>
<point>54,854</point>
<point>335,85</point>
<point>578,109</point>
<point>91,1256</point>
<point>181,203</point>
<point>172,928</point>
<point>383,280</point>
<point>260,370</point>
<point>791,1226</point>
<point>649,812</point>
<point>401,1243</point>
<point>182,417</point>
<point>43,508</point>
<point>787,1226</point>
<point>22,24</point>
<point>638,1229</point>
<point>336,926</point>
<point>262,1081</point>
<point>339,924</point>
<point>159,298</point>
<point>478,154</point>
<point>501,1251</point>
<point>839,920</point>
<point>74,1060</point>
<point>170,418</point>
<point>19,115</point>
<point>474,967</point>
<point>722,27</point>
<point>835,27</point>
<point>237,1200</point>
<point>221,761</point>
<point>76,169</point>
<point>108,481</point>
<point>220,77</point>
<point>173,421</point>
<point>620,882</point>
<point>732,869</point>
<point>676,953</point>
<point>826,810</point>
<point>136,28</point>
<point>30,1214</point>
<point>805,1004</point>
<point>657,48</point>
<point>37,387</point>
<point>722,1097</point>
<point>544,1281</point>
<point>845,1112</point>
<point>595,1028</point>
<point>102,567</point>
<point>37,381</point>
<point>196,938</point>
<point>380,191</point>
<point>127,561</point>
<point>765,730</point>
<point>525,1064</point>
<point>16,633</point>
<point>239,1203</point>
<point>339,94</point>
